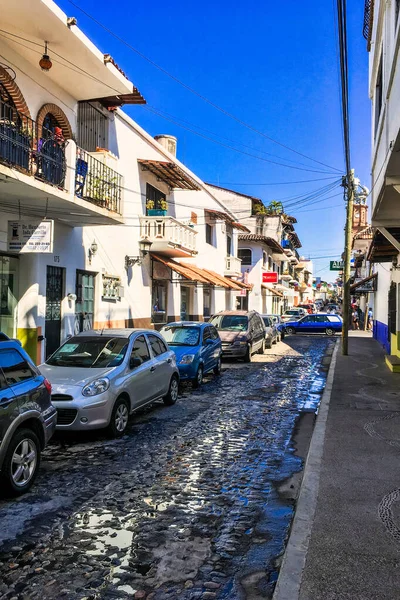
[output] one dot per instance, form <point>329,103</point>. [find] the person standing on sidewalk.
<point>369,322</point>
<point>355,319</point>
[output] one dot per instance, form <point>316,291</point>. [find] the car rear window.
<point>15,367</point>
<point>333,319</point>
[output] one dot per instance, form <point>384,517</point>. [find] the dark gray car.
<point>27,418</point>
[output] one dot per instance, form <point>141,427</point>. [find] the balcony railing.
<point>21,148</point>
<point>233,266</point>
<point>168,236</point>
<point>96,182</point>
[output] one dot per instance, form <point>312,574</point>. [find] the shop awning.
<point>196,274</point>
<point>381,250</point>
<point>169,173</point>
<point>366,285</point>
<point>273,291</point>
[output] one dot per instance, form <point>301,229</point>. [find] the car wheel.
<point>290,330</point>
<point>329,331</point>
<point>247,356</point>
<point>173,391</point>
<point>218,366</point>
<point>21,462</point>
<point>275,340</point>
<point>198,380</point>
<point>262,348</point>
<point>119,418</point>
<point>268,344</point>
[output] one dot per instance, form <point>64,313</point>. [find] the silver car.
<point>100,377</point>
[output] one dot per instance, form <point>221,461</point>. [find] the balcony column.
<point>198,304</point>
<point>174,301</point>
<point>70,157</point>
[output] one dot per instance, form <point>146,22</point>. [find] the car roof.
<point>113,332</point>
<point>185,324</point>
<point>234,312</point>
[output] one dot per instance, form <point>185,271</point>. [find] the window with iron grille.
<point>92,132</point>
<point>154,198</point>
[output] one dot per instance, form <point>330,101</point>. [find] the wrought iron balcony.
<point>22,148</point>
<point>168,236</point>
<point>96,182</point>
<point>233,267</point>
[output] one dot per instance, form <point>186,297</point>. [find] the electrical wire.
<point>190,89</point>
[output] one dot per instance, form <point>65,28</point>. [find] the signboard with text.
<point>30,236</point>
<point>336,265</point>
<point>270,277</point>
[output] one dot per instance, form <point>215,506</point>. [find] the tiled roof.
<point>255,237</point>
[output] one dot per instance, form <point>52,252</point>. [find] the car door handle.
<point>152,369</point>
<point>169,361</point>
<point>6,401</point>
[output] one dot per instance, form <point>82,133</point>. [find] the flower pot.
<point>156,212</point>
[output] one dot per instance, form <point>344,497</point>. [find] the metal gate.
<point>54,296</point>
<point>392,310</point>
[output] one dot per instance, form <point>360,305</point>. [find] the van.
<point>242,333</point>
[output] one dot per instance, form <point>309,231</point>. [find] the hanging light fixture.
<point>45,62</point>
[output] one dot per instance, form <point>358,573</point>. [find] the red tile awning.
<point>272,290</point>
<point>270,242</point>
<point>169,173</point>
<point>194,273</point>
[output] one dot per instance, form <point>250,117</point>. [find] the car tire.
<point>119,418</point>
<point>218,367</point>
<point>262,347</point>
<point>25,446</point>
<point>173,391</point>
<point>198,380</point>
<point>247,356</point>
<point>275,340</point>
<point>329,331</point>
<point>290,330</point>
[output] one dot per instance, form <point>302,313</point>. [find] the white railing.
<point>233,264</point>
<point>168,230</point>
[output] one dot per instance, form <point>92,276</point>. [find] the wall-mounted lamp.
<point>92,251</point>
<point>45,63</point>
<point>144,247</point>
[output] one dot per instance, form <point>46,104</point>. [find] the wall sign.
<point>270,277</point>
<point>30,236</point>
<point>111,287</point>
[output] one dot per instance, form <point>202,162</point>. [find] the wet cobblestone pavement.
<point>194,502</point>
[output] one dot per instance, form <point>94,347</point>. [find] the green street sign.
<point>337,265</point>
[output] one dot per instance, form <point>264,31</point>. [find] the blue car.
<point>320,323</point>
<point>197,347</point>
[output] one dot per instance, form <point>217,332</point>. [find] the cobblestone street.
<point>195,502</point>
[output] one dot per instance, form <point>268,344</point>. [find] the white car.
<point>100,377</point>
<point>293,314</point>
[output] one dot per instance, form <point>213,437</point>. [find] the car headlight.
<point>240,343</point>
<point>187,359</point>
<point>98,386</point>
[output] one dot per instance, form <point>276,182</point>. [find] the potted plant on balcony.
<point>161,211</point>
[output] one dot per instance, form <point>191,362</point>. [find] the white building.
<point>137,239</point>
<point>268,253</point>
<point>382,31</point>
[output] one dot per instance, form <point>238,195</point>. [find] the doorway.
<point>54,296</point>
<point>84,305</point>
<point>8,295</point>
<point>185,301</point>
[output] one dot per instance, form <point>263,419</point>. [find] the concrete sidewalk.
<point>345,539</point>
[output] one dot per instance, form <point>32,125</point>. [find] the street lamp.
<point>144,247</point>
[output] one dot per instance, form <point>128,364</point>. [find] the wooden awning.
<point>366,285</point>
<point>381,250</point>
<point>196,274</point>
<point>169,173</point>
<point>111,102</point>
<point>272,290</point>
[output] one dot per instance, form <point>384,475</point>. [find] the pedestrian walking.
<point>355,320</point>
<point>369,322</point>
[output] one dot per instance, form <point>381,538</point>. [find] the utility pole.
<point>348,183</point>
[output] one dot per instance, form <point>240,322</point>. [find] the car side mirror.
<point>134,362</point>
<point>208,342</point>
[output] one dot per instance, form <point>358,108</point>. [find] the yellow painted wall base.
<point>395,344</point>
<point>393,362</point>
<point>28,339</point>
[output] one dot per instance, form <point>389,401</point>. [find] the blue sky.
<point>273,65</point>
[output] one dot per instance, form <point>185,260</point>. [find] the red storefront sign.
<point>270,277</point>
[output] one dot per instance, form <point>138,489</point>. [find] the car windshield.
<point>267,321</point>
<point>231,322</point>
<point>181,336</point>
<point>292,312</point>
<point>93,352</point>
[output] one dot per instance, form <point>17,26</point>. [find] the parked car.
<point>271,332</point>
<point>321,323</point>
<point>309,308</point>
<point>242,333</point>
<point>27,417</point>
<point>280,326</point>
<point>197,347</point>
<point>333,308</point>
<point>293,314</point>
<point>100,377</point>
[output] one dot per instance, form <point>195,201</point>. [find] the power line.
<point>198,94</point>
<point>222,183</point>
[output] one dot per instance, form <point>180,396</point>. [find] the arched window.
<point>246,256</point>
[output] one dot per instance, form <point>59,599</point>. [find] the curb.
<point>294,560</point>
